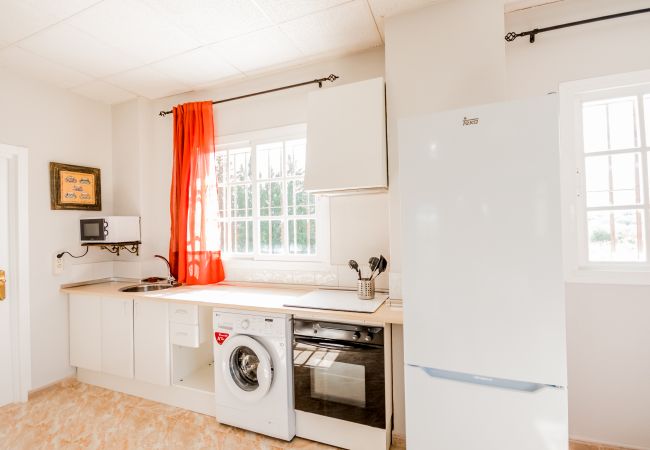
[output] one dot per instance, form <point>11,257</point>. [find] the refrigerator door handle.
<point>503,383</point>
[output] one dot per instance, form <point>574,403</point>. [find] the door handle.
<point>3,282</point>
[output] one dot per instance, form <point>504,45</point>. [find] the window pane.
<point>622,124</point>
<point>271,240</point>
<point>239,165</point>
<point>240,237</point>
<point>616,235</point>
<point>270,196</point>
<point>295,157</point>
<point>594,127</point>
<point>610,124</point>
<point>241,201</point>
<point>613,179</point>
<point>269,161</point>
<point>302,236</point>
<point>299,202</point>
<point>221,166</point>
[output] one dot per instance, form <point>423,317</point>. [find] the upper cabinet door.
<point>346,138</point>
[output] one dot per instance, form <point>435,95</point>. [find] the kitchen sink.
<point>145,287</point>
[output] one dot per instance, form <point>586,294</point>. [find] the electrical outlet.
<point>58,265</point>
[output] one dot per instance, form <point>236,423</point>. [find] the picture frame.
<point>75,187</point>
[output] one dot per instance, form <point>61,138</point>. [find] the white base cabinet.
<point>117,337</point>
<point>86,332</point>
<point>151,342</point>
<point>122,337</point>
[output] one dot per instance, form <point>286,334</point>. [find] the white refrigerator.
<point>484,317</point>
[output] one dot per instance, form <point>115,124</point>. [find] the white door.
<point>6,354</point>
<point>117,337</point>
<point>151,342</point>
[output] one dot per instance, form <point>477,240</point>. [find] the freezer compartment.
<point>453,414</point>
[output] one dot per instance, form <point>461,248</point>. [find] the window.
<point>613,151</point>
<point>262,209</point>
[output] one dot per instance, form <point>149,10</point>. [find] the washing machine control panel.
<point>251,325</point>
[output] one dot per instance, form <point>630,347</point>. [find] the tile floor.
<point>74,415</point>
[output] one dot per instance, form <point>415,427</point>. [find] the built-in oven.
<point>339,371</point>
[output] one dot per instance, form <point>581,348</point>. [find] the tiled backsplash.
<point>247,271</point>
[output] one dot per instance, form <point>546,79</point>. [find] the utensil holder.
<point>366,289</point>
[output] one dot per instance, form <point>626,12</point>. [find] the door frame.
<point>18,285</point>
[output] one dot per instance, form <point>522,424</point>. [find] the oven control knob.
<point>356,336</point>
<point>368,337</point>
<point>245,324</point>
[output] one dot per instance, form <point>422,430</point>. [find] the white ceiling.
<point>114,50</point>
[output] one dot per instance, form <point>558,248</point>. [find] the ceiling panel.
<point>258,50</point>
<point>387,8</point>
<point>77,50</point>
<point>19,19</point>
<point>283,10</point>
<point>349,26</point>
<point>214,20</point>
<point>148,83</point>
<point>197,67</point>
<point>103,92</point>
<point>59,8</point>
<point>134,28</point>
<point>33,66</point>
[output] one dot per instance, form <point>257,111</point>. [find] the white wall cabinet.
<point>85,332</point>
<point>117,337</point>
<point>346,138</point>
<point>151,342</point>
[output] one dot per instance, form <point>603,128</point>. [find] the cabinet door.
<point>346,138</point>
<point>151,342</point>
<point>117,337</point>
<point>85,332</point>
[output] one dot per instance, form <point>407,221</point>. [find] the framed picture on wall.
<point>75,187</point>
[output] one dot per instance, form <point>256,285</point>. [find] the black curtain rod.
<point>532,33</point>
<point>319,81</point>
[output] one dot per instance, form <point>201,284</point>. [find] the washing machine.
<point>253,371</point>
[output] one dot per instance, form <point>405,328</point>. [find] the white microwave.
<point>110,229</point>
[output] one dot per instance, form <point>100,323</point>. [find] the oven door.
<point>340,379</point>
<point>93,229</point>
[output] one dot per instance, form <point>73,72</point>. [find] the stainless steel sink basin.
<point>145,287</point>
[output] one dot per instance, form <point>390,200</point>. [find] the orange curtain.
<point>192,253</point>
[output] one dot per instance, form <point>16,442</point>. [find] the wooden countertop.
<point>265,298</point>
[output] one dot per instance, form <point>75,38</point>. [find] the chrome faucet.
<point>170,279</point>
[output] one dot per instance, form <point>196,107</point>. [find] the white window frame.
<point>577,266</point>
<point>252,139</point>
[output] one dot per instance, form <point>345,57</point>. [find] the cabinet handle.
<point>181,334</point>
<point>181,311</point>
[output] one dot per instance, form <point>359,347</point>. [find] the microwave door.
<point>93,230</point>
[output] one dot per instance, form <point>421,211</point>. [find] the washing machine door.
<point>247,368</point>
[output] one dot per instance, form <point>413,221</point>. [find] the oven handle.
<point>330,345</point>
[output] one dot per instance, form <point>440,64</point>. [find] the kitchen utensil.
<point>374,263</point>
<point>355,266</point>
<point>383,264</point>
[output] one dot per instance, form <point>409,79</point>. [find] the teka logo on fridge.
<point>221,337</point>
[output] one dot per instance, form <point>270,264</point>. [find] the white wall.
<point>262,112</point>
<point>608,336</point>
<point>55,126</point>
